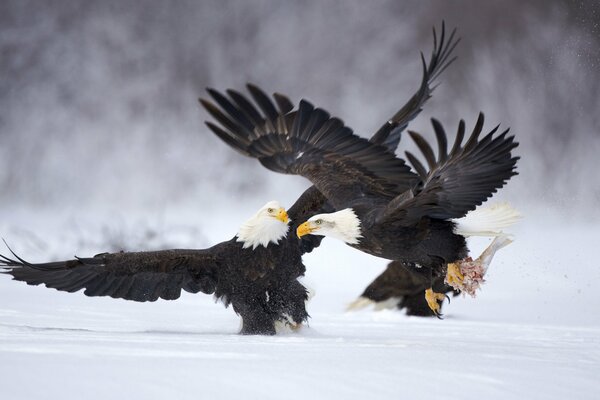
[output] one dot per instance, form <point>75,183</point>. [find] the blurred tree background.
<point>98,99</point>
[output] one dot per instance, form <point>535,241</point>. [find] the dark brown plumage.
<point>238,113</point>
<point>400,287</point>
<point>263,288</point>
<point>403,215</point>
<point>260,284</point>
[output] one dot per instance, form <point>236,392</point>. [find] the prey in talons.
<point>467,275</point>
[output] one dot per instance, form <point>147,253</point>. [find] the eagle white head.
<point>268,225</point>
<point>343,225</point>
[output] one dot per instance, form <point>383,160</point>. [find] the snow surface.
<point>533,332</point>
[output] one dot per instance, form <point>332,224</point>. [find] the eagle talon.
<point>433,301</point>
<point>454,276</point>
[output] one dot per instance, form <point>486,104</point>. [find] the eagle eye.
<point>270,210</point>
<point>319,221</point>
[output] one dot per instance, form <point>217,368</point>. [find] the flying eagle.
<point>256,271</point>
<point>398,283</point>
<point>384,207</point>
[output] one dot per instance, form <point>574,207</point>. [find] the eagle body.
<point>429,244</point>
<point>260,283</point>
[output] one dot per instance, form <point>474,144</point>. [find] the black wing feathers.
<point>284,104</point>
<point>458,181</point>
<point>284,141</point>
<point>263,102</point>
<point>145,276</point>
<point>307,142</point>
<point>390,132</point>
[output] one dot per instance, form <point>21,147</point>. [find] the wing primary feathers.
<point>301,121</point>
<point>78,284</point>
<point>464,179</point>
<point>25,263</point>
<point>309,142</point>
<point>248,109</point>
<point>424,147</point>
<point>472,141</point>
<point>443,52</point>
<point>227,138</point>
<point>460,134</point>
<point>440,135</point>
<point>327,128</point>
<point>223,119</point>
<point>284,104</point>
<point>238,116</point>
<point>389,133</point>
<point>494,130</point>
<point>8,262</point>
<point>435,42</point>
<point>264,103</point>
<point>421,170</point>
<point>95,287</point>
<point>120,282</point>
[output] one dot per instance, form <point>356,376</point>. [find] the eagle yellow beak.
<point>304,229</point>
<point>282,216</point>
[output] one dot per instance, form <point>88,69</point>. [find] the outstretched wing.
<point>389,133</point>
<point>144,276</point>
<point>310,143</point>
<point>458,181</point>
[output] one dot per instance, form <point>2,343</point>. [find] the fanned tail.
<point>487,221</point>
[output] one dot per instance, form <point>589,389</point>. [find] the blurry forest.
<point>98,99</point>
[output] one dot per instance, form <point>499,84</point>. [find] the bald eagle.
<point>384,208</point>
<point>256,271</point>
<point>397,283</point>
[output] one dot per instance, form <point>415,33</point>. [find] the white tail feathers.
<point>487,221</point>
<point>363,302</point>
<point>360,303</point>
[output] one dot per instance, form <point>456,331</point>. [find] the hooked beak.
<point>282,216</point>
<point>304,229</point>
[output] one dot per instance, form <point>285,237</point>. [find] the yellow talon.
<point>433,300</point>
<point>454,277</point>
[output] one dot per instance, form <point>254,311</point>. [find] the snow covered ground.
<point>98,106</point>
<point>532,332</point>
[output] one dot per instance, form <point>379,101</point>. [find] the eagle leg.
<point>454,276</point>
<point>434,301</point>
<point>257,324</point>
<point>255,319</point>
